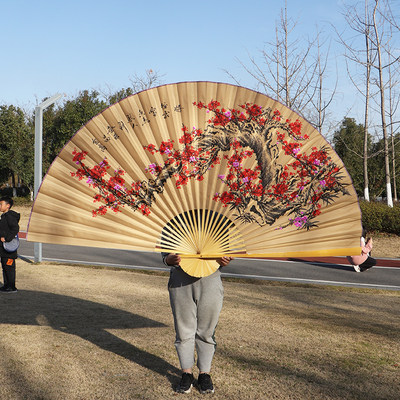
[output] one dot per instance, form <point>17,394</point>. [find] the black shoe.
<point>186,383</point>
<point>8,289</point>
<point>205,384</point>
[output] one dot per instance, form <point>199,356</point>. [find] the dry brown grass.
<point>83,333</point>
<point>386,246</point>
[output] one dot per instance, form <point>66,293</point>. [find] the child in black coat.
<point>9,228</point>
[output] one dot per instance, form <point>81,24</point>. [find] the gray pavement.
<point>333,271</point>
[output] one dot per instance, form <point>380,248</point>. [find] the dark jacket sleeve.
<point>13,227</point>
<point>164,256</point>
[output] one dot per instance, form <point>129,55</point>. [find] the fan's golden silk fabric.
<point>201,169</point>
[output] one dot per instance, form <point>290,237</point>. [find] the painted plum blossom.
<point>261,195</point>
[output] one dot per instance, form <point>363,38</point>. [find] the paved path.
<point>381,262</point>
<point>317,270</point>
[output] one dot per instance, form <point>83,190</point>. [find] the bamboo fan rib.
<point>200,232</point>
<point>201,169</point>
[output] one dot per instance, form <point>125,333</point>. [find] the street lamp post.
<point>38,157</point>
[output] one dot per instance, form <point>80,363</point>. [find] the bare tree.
<point>393,82</point>
<point>287,70</point>
<point>150,79</point>
<point>394,101</point>
<point>380,66</point>
<point>321,98</point>
<point>375,58</point>
<point>139,83</point>
<point>369,57</point>
<point>364,58</point>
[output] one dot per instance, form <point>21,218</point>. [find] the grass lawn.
<point>85,333</point>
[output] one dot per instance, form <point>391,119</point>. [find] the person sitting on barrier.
<point>363,261</point>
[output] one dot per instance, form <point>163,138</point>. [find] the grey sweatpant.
<point>196,304</point>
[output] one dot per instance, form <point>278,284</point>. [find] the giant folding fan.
<point>203,170</point>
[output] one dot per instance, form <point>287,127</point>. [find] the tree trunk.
<point>394,169</point>
<point>383,117</point>
<point>286,65</point>
<point>365,156</point>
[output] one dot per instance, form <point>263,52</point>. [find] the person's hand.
<point>224,261</point>
<point>173,259</point>
<point>3,239</point>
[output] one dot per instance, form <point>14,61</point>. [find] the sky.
<point>60,46</point>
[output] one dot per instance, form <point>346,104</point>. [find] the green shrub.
<point>378,217</point>
<point>8,191</point>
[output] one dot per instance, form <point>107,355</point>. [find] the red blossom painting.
<point>261,194</point>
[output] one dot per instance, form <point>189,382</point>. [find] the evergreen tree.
<point>348,142</point>
<point>16,146</point>
<point>60,124</point>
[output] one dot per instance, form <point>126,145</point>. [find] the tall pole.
<point>39,158</point>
